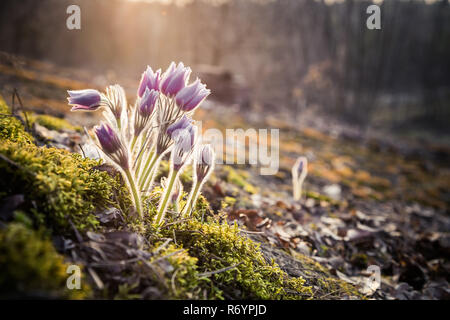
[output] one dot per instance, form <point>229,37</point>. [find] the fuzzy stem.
<point>153,173</point>
<point>152,158</point>
<point>163,204</point>
<point>140,155</point>
<point>137,201</point>
<point>118,124</point>
<point>191,200</point>
<point>133,143</point>
<point>297,186</point>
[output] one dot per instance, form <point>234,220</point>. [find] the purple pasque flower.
<point>204,161</point>
<point>148,102</point>
<point>111,145</point>
<point>184,123</point>
<point>167,133</point>
<point>191,96</point>
<point>183,146</point>
<point>174,79</point>
<point>107,137</point>
<point>301,166</point>
<point>85,100</point>
<point>150,80</point>
<point>299,172</point>
<point>144,111</point>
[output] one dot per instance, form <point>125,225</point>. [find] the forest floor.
<point>367,201</point>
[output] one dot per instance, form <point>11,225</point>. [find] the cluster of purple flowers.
<point>135,138</point>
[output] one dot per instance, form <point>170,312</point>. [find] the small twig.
<point>330,293</point>
<point>174,237</point>
<point>77,233</point>
<point>162,246</point>
<point>168,256</point>
<point>27,122</point>
<point>172,280</point>
<point>210,273</point>
<point>252,232</point>
<point>113,263</point>
<point>175,222</point>
<point>159,276</point>
<point>82,151</point>
<point>96,278</point>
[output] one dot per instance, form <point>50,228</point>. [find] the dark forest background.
<point>291,54</point>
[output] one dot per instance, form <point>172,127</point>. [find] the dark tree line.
<point>292,53</point>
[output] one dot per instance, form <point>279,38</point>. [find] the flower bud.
<point>184,144</point>
<point>181,124</point>
<point>204,161</point>
<point>150,80</point>
<point>148,102</point>
<point>111,145</point>
<point>85,100</point>
<point>175,79</point>
<point>299,172</point>
<point>144,111</point>
<point>191,96</point>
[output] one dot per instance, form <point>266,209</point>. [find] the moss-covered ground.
<point>61,195</point>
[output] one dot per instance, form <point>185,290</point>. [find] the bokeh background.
<point>369,109</point>
<point>292,58</point>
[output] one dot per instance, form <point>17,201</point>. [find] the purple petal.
<point>88,99</point>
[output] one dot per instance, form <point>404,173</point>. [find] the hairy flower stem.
<point>119,126</point>
<point>153,174</point>
<point>168,192</point>
<point>140,155</point>
<point>136,198</point>
<point>190,203</point>
<point>133,143</point>
<point>148,168</point>
<point>298,187</point>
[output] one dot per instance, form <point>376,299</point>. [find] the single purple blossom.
<point>204,161</point>
<point>174,79</point>
<point>181,124</point>
<point>145,109</point>
<point>86,100</point>
<point>111,145</point>
<point>299,172</point>
<point>148,102</point>
<point>301,164</point>
<point>150,80</point>
<point>183,147</point>
<point>108,139</point>
<point>191,96</point>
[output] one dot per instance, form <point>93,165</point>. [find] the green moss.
<point>184,281</point>
<point>337,288</point>
<point>239,178</point>
<point>219,246</point>
<point>325,286</point>
<point>10,127</point>
<point>228,202</point>
<point>54,123</point>
<point>210,249</point>
<point>30,266</point>
<point>62,185</point>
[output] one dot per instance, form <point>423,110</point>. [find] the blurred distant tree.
<point>295,54</point>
